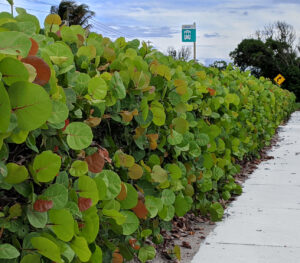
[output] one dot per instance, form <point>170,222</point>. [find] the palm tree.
<point>74,13</point>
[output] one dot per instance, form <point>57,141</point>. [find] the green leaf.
<point>216,212</point>
<point>203,139</point>
<point>116,215</point>
<point>97,256</point>
<point>47,248</point>
<point>101,186</point>
<point>37,219</point>
<point>131,224</point>
<point>113,183</point>
<point>31,258</point>
<point>182,206</point>
<point>97,88</point>
<point>175,138</point>
<point>15,173</point>
<point>146,232</point>
<point>91,224</point>
<point>79,135</point>
<point>13,70</point>
<point>8,251</point>
<point>78,168</point>
<point>131,198</point>
<point>167,197</point>
<point>159,175</point>
<point>60,54</point>
<point>167,213</point>
<point>159,116</point>
<point>14,43</point>
<point>63,224</point>
<point>146,253</point>
<point>60,112</point>
<point>68,35</point>
<point>24,17</point>
<point>153,205</point>
<point>117,87</point>
<point>81,249</point>
<point>174,170</point>
<point>58,193</point>
<point>31,104</point>
<point>5,109</point>
<point>46,166</point>
<point>87,188</point>
<point>181,125</point>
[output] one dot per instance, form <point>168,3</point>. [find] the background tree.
<point>219,64</point>
<point>184,53</point>
<point>74,13</point>
<point>271,51</point>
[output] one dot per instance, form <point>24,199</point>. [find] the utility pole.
<point>148,42</point>
<point>68,16</point>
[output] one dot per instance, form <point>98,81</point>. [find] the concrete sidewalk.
<point>263,224</point>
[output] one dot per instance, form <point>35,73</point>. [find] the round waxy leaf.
<point>181,125</point>
<point>31,104</point>
<point>88,188</point>
<point>203,139</point>
<point>113,183</point>
<point>62,224</point>
<point>7,251</point>
<point>95,162</point>
<point>42,205</point>
<point>60,112</point>
<point>216,212</point>
<point>91,224</point>
<point>53,19</point>
<point>131,224</point>
<point>46,166</point>
<point>81,249</point>
<point>153,205</point>
<point>58,193</point>
<point>174,170</point>
<point>43,72</point>
<point>140,210</point>
<point>14,43</point>
<point>159,115</point>
<point>13,70</point>
<point>131,198</point>
<point>97,88</point>
<point>15,173</point>
<point>5,109</point>
<point>47,248</point>
<point>37,219</point>
<point>101,186</point>
<point>31,258</point>
<point>168,197</point>
<point>167,213</point>
<point>175,138</point>
<point>84,203</point>
<point>79,135</point>
<point>78,168</point>
<point>60,54</point>
<point>135,172</point>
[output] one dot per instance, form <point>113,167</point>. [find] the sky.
<point>221,24</point>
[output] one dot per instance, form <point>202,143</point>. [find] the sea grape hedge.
<point>102,143</point>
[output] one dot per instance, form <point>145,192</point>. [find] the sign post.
<point>189,35</point>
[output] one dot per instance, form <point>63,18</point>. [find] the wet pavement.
<point>263,224</point>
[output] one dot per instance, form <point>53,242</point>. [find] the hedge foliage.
<point>103,142</point>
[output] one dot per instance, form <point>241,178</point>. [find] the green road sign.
<point>189,33</point>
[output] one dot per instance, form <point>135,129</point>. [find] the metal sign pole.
<point>195,45</point>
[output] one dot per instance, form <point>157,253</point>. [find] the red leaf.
<point>105,154</point>
<point>84,203</point>
<point>95,162</point>
<point>66,124</point>
<point>34,48</point>
<point>140,210</point>
<point>42,69</point>
<point>55,149</point>
<point>212,92</point>
<point>42,205</point>
<point>117,258</point>
<point>133,244</point>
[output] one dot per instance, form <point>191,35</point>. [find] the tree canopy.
<point>270,52</point>
<point>74,13</point>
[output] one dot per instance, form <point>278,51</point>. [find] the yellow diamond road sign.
<point>279,79</point>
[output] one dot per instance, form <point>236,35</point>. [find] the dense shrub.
<point>102,143</point>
